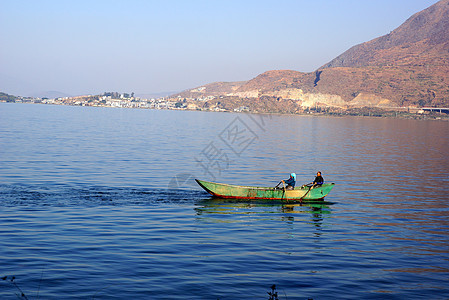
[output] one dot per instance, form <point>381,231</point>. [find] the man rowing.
<point>289,183</point>
<point>318,181</point>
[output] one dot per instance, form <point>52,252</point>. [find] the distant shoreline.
<point>357,112</point>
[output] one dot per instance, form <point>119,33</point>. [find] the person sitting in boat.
<point>289,183</point>
<point>318,180</point>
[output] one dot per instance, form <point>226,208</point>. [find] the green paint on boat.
<point>222,190</point>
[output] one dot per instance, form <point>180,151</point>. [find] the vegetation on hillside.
<point>7,97</point>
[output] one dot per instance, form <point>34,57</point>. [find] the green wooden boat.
<point>303,193</point>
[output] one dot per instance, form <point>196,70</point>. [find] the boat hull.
<point>251,192</point>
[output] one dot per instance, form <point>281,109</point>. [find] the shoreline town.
<point>227,104</point>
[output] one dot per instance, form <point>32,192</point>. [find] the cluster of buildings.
<point>108,101</point>
<point>127,101</point>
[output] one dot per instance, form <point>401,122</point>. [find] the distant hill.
<point>51,94</point>
<point>7,98</point>
<point>409,66</point>
<point>154,95</point>
<point>423,37</point>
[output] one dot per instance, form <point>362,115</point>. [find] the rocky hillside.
<point>425,33</point>
<point>408,67</point>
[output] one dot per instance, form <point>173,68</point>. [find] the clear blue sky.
<point>88,47</point>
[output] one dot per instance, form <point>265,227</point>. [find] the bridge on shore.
<point>442,110</point>
<point>437,109</point>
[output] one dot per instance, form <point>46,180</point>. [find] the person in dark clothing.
<point>289,183</point>
<point>318,180</point>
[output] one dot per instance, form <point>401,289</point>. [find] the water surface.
<point>100,203</point>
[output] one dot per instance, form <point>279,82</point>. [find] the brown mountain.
<point>409,66</point>
<point>425,33</point>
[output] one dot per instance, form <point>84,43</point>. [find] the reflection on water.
<point>105,197</point>
<point>215,211</point>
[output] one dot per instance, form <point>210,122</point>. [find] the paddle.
<point>283,190</point>
<point>277,185</point>
<point>300,199</point>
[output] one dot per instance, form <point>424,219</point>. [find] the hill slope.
<point>409,66</point>
<point>425,32</point>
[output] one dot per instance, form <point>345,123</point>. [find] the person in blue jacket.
<point>289,183</point>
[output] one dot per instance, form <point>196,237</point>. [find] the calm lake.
<point>100,203</point>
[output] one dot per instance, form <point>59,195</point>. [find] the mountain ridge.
<point>430,25</point>
<point>407,67</point>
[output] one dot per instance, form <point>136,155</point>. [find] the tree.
<point>422,102</point>
<point>7,98</point>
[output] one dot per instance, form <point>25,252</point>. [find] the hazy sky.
<point>89,47</point>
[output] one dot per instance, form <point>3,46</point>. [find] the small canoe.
<point>222,190</point>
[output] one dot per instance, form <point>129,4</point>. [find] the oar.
<point>283,190</point>
<point>300,199</point>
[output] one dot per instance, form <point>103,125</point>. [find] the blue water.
<point>100,203</point>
